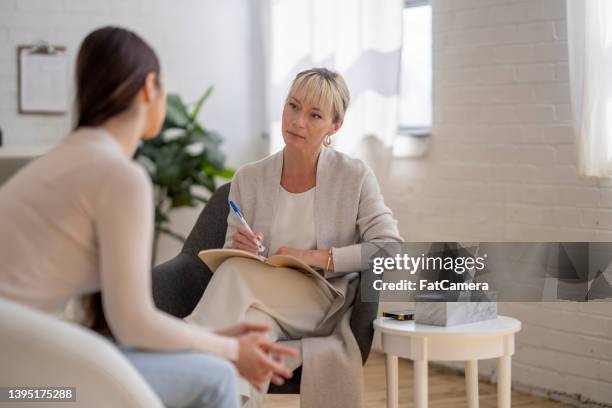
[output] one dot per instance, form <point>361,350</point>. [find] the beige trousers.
<point>290,302</point>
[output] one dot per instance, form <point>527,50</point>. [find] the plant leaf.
<point>203,179</point>
<point>176,112</point>
<point>226,173</point>
<point>200,102</point>
<point>182,199</point>
<point>215,158</point>
<point>186,158</point>
<point>160,217</point>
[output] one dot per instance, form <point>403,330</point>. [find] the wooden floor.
<point>446,390</point>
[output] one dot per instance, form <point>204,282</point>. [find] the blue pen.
<point>237,211</point>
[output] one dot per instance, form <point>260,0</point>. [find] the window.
<point>589,26</point>
<point>415,104</point>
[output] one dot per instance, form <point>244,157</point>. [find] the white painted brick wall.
<point>503,168</point>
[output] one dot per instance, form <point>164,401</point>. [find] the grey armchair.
<point>179,283</point>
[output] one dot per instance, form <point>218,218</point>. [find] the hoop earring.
<point>327,140</point>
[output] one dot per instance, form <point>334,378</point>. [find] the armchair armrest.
<point>362,319</point>
<point>179,283</point>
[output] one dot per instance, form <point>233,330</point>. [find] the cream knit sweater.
<point>79,220</point>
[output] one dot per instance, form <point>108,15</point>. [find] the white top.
<point>79,220</point>
<point>493,327</point>
<point>294,224</point>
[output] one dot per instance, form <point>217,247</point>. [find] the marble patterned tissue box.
<point>451,310</point>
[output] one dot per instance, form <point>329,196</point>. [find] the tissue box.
<point>452,309</point>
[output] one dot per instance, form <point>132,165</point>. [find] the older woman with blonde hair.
<point>308,201</point>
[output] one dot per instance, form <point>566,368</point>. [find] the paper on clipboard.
<point>43,84</point>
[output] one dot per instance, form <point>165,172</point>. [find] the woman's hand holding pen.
<point>246,240</point>
<point>246,232</point>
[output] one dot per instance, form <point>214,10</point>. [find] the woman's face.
<point>156,110</point>
<point>305,126</point>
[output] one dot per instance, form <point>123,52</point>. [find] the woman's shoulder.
<point>102,156</point>
<point>342,163</point>
<point>259,167</point>
<point>330,161</point>
<point>132,170</point>
<point>122,176</point>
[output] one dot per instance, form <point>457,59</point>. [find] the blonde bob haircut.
<point>324,89</point>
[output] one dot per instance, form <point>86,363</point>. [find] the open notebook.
<point>215,257</point>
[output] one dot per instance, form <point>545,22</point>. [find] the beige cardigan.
<point>349,209</point>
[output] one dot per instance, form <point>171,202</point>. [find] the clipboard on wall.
<point>42,71</point>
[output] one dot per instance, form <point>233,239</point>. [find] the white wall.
<point>503,168</point>
<point>199,43</point>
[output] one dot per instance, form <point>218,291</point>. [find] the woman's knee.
<point>231,264</point>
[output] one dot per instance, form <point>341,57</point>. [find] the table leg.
<point>392,381</point>
<point>471,383</point>
<point>503,382</point>
<point>420,383</point>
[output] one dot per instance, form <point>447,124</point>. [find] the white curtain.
<point>361,39</point>
<point>589,26</point>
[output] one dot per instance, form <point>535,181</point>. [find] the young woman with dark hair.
<point>79,220</point>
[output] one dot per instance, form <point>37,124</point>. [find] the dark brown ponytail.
<point>111,68</point>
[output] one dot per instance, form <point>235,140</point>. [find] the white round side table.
<point>467,342</point>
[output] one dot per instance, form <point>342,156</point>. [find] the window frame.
<point>415,131</point>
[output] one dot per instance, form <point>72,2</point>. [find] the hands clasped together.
<point>260,359</point>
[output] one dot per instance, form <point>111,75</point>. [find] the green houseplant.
<point>183,162</point>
